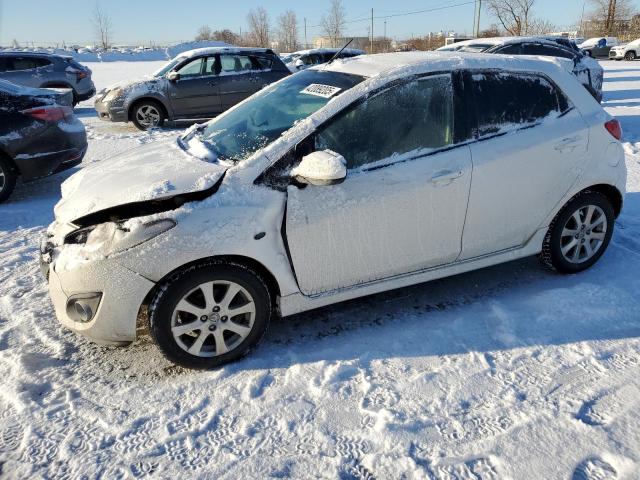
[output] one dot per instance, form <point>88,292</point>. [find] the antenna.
<point>339,52</point>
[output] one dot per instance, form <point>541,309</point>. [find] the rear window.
<point>509,101</point>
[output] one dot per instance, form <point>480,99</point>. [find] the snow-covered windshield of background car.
<point>256,123</point>
<point>168,66</point>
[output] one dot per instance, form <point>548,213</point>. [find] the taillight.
<point>614,128</point>
<point>49,114</point>
<point>80,74</point>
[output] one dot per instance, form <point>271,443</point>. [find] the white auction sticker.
<point>319,90</point>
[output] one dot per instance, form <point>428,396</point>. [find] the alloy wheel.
<point>583,234</point>
<point>148,116</point>
<point>213,318</point>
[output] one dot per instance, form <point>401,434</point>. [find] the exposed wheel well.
<point>267,276</point>
<point>612,193</point>
<point>138,101</point>
<point>8,158</point>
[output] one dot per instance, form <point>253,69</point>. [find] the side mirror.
<point>173,76</point>
<point>299,64</point>
<point>321,168</point>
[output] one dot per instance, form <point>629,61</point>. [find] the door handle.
<point>570,143</point>
<point>446,177</point>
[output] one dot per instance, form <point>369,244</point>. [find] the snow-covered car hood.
<point>134,86</point>
<point>157,171</point>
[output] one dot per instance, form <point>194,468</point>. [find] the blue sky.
<point>165,21</point>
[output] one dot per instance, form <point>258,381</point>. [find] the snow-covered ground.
<point>509,372</point>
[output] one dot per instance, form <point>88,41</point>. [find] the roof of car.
<point>229,49</point>
<point>424,62</point>
<point>33,54</point>
<point>508,40</point>
<point>328,50</point>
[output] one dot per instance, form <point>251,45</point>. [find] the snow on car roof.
<point>507,40</point>
<point>34,54</point>
<point>328,50</point>
<point>222,49</point>
<point>423,62</point>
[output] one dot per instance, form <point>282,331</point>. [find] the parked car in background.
<point>589,72</point>
<point>307,58</point>
<point>314,190</point>
<point>199,83</point>
<point>39,134</point>
<point>598,47</point>
<point>44,70</point>
<point>629,51</point>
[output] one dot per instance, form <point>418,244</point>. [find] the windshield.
<point>168,66</point>
<point>256,123</point>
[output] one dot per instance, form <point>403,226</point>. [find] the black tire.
<point>177,288</point>
<point>138,110</point>
<point>552,256</point>
<point>630,56</point>
<point>8,176</point>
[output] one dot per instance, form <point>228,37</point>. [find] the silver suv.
<point>43,70</point>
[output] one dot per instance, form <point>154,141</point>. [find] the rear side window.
<point>26,63</point>
<point>509,101</point>
<point>548,50</point>
<point>512,49</point>
<point>406,119</point>
<point>235,64</point>
<point>265,63</point>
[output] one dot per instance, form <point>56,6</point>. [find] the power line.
<point>404,14</point>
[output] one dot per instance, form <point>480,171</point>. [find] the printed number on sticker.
<point>319,90</point>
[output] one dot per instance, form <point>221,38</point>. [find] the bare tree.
<point>515,16</point>
<point>539,26</point>
<point>204,33</point>
<point>606,16</point>
<point>259,27</point>
<point>288,32</point>
<point>103,26</point>
<point>333,22</point>
<point>226,36</point>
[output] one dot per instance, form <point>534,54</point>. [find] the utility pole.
<point>305,33</point>
<point>371,44</point>
<point>385,35</point>
<point>478,18</point>
<point>475,13</point>
<point>581,33</point>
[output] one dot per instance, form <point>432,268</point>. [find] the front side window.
<point>406,119</point>
<point>511,49</point>
<point>191,69</point>
<point>231,64</point>
<point>509,101</point>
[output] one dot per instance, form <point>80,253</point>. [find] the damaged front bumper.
<point>99,299</point>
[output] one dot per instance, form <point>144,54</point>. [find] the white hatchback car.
<point>360,176</point>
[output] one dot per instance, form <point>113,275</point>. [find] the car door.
<point>196,92</point>
<point>530,142</point>
<point>402,205</point>
<point>239,78</point>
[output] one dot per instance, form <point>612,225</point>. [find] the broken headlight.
<point>111,237</point>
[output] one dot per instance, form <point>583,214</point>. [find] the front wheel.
<point>630,56</point>
<point>580,233</point>
<point>7,178</point>
<point>147,114</point>
<point>210,315</point>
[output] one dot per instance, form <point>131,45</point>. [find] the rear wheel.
<point>147,114</point>
<point>580,233</point>
<point>210,315</point>
<point>8,177</point>
<point>630,56</point>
